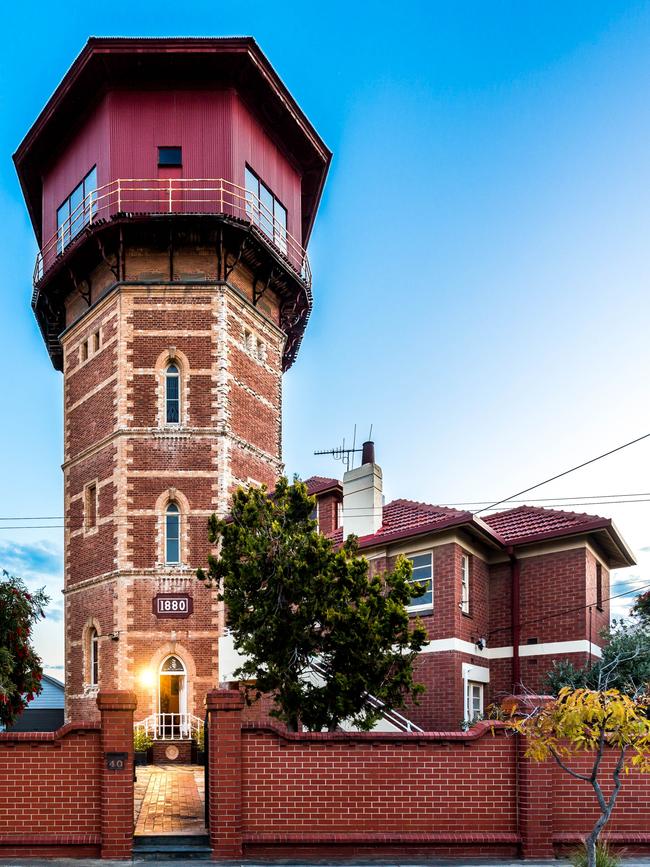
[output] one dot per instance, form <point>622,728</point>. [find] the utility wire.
<point>569,610</point>
<point>565,472</point>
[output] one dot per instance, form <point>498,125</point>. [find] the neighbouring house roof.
<point>524,525</point>
<point>320,484</point>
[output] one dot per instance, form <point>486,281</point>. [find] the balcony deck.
<point>142,197</point>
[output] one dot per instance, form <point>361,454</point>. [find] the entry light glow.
<point>146,677</point>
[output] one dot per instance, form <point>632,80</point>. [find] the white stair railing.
<point>170,726</point>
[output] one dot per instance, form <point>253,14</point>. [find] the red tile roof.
<point>319,484</point>
<point>533,523</point>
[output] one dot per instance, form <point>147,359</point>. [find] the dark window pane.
<point>170,156</point>
<point>172,395</point>
<point>90,200</point>
<point>172,535</point>
<point>63,226</point>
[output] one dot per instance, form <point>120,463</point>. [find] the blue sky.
<point>480,257</point>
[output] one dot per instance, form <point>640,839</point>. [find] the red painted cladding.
<point>217,132</point>
<point>88,146</point>
<point>252,145</point>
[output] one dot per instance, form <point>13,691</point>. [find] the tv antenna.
<point>340,453</point>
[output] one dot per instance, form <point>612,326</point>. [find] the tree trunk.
<point>606,807</point>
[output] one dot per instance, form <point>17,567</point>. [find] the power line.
<point>566,472</point>
<point>569,610</point>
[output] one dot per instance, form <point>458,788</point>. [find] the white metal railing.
<point>170,726</point>
<point>133,196</point>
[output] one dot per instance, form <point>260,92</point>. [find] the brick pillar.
<point>116,709</point>
<point>225,770</point>
<point>535,804</point>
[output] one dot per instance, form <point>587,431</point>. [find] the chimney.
<point>362,496</point>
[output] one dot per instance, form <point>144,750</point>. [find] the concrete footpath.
<point>345,862</point>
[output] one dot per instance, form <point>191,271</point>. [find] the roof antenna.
<point>340,453</point>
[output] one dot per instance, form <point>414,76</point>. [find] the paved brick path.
<point>169,799</point>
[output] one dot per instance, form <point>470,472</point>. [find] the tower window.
<point>96,341</point>
<point>83,351</point>
<point>77,210</point>
<point>91,506</point>
<point>172,395</point>
<point>172,534</point>
<point>265,210</point>
<point>170,157</point>
<point>94,657</point>
<point>599,587</point>
<point>464,584</point>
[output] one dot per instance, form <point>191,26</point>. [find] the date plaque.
<point>172,605</point>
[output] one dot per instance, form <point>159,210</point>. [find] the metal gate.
<point>206,770</point>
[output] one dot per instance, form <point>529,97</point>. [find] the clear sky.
<point>480,257</point>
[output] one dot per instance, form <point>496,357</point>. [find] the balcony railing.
<point>170,726</point>
<point>179,196</point>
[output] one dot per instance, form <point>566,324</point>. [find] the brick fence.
<point>443,793</point>
<point>57,794</point>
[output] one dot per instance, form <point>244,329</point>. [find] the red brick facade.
<point>229,434</point>
<point>443,793</point>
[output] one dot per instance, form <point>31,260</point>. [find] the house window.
<point>599,587</point>
<point>339,515</point>
<point>265,210</point>
<point>313,515</point>
<point>172,394</point>
<point>94,657</point>
<point>77,210</point>
<point>172,534</point>
<point>91,506</point>
<point>474,701</point>
<point>170,156</point>
<point>83,351</point>
<point>423,575</point>
<point>464,584</point>
<point>96,341</point>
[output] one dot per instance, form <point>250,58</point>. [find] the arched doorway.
<point>172,699</point>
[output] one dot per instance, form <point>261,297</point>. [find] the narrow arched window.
<point>172,534</point>
<point>172,395</point>
<point>93,646</point>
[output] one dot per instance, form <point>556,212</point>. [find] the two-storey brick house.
<point>505,595</point>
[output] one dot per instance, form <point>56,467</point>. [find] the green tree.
<point>625,663</point>
<point>314,630</point>
<point>20,668</point>
<point>588,722</point>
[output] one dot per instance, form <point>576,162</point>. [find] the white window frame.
<point>426,606</point>
<point>470,685</point>
<point>464,583</point>
<point>177,513</point>
<point>93,674</point>
<point>176,374</point>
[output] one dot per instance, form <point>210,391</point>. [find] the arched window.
<point>172,534</point>
<point>93,647</point>
<point>172,395</point>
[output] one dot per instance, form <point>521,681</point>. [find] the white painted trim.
<point>476,672</point>
<point>442,645</point>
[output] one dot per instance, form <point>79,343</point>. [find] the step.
<point>172,847</point>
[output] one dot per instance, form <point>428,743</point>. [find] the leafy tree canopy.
<point>625,663</point>
<point>584,721</point>
<point>20,668</point>
<point>315,631</point>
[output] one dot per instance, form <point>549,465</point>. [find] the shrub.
<point>605,857</point>
<point>141,741</point>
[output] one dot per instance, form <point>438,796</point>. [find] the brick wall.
<point>274,793</point>
<point>56,796</point>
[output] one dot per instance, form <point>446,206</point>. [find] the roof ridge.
<point>525,507</point>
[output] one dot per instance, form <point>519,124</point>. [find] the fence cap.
<point>224,699</point>
<point>118,699</point>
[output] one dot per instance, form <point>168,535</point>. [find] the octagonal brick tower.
<point>172,185</point>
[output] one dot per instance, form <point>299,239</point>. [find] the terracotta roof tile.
<point>318,484</point>
<point>535,522</point>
